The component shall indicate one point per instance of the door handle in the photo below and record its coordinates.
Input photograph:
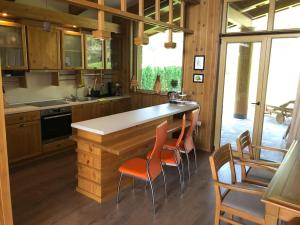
(255, 103)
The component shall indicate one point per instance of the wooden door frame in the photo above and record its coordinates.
(262, 81)
(5, 197)
(221, 82)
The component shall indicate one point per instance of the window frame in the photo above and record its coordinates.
(270, 23)
(138, 71)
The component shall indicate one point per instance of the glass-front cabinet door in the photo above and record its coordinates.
(13, 46)
(72, 50)
(94, 53)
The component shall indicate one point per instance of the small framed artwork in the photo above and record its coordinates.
(198, 78)
(199, 62)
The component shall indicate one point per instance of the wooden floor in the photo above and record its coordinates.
(43, 194)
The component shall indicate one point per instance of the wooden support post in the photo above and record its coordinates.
(170, 43)
(101, 33)
(141, 39)
(243, 81)
(124, 5)
(182, 13)
(157, 10)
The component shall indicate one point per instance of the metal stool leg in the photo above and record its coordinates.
(180, 177)
(119, 187)
(195, 154)
(165, 182)
(133, 184)
(188, 160)
(153, 197)
(182, 168)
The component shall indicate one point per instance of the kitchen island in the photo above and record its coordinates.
(103, 144)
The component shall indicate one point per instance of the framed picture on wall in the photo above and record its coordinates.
(199, 62)
(198, 78)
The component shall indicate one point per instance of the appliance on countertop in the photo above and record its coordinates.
(48, 103)
(56, 123)
(173, 97)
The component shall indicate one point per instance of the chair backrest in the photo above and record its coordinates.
(188, 140)
(217, 160)
(244, 145)
(153, 162)
(179, 140)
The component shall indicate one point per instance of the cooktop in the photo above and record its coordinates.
(48, 103)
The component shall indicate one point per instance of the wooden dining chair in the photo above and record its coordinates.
(147, 169)
(265, 169)
(170, 155)
(241, 200)
(189, 141)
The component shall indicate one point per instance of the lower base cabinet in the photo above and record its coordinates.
(23, 140)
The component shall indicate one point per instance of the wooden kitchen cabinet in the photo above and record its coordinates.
(23, 140)
(72, 50)
(13, 49)
(94, 53)
(43, 48)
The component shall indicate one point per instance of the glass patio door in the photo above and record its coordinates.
(239, 91)
(280, 91)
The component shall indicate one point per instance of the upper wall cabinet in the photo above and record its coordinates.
(13, 46)
(94, 53)
(43, 48)
(72, 50)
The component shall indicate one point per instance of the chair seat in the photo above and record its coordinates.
(170, 157)
(262, 175)
(245, 202)
(135, 167)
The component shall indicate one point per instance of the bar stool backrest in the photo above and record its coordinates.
(153, 160)
(188, 140)
(244, 145)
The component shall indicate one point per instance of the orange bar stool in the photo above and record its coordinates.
(170, 156)
(189, 142)
(147, 169)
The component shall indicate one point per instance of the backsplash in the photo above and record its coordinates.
(40, 89)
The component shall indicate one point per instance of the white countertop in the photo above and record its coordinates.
(109, 124)
(22, 108)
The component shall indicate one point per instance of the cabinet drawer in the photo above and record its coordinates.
(89, 160)
(58, 145)
(88, 173)
(22, 117)
(91, 148)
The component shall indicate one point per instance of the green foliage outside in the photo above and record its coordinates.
(167, 74)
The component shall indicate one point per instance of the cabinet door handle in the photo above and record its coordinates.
(22, 125)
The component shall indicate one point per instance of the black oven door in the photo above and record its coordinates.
(56, 126)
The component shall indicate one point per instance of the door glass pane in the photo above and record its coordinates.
(72, 51)
(11, 49)
(287, 14)
(108, 54)
(247, 16)
(94, 53)
(282, 84)
(240, 88)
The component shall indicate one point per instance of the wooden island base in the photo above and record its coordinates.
(99, 156)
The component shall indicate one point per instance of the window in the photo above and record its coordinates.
(287, 14)
(157, 60)
(247, 16)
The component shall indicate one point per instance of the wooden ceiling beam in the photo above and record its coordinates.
(127, 15)
(18, 10)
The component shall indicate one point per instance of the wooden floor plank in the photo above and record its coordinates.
(44, 193)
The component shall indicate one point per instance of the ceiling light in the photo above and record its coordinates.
(74, 26)
(4, 14)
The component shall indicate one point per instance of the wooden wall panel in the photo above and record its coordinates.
(5, 199)
(142, 100)
(205, 20)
